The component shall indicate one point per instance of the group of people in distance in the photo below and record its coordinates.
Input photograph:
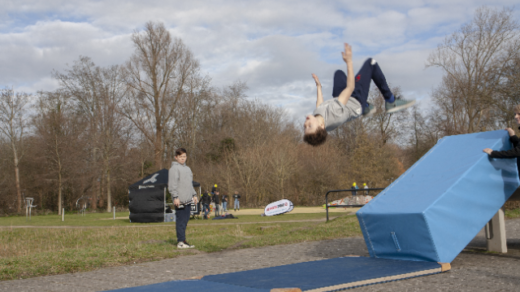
(355, 188)
(221, 202)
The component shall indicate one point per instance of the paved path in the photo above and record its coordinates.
(471, 271)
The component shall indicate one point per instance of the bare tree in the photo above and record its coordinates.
(423, 134)
(189, 116)
(12, 125)
(473, 60)
(160, 73)
(508, 94)
(98, 93)
(284, 163)
(55, 126)
(388, 127)
(250, 168)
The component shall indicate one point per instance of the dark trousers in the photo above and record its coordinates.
(205, 209)
(366, 74)
(182, 216)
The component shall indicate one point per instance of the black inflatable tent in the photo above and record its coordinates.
(148, 197)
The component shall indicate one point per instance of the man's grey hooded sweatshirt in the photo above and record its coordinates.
(180, 182)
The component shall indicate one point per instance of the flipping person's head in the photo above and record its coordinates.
(314, 131)
(517, 114)
(180, 155)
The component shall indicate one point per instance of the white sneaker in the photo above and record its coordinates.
(184, 244)
(399, 104)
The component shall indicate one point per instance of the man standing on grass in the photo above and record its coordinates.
(224, 202)
(354, 188)
(206, 200)
(236, 204)
(216, 200)
(180, 185)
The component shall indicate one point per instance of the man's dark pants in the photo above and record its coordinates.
(182, 216)
(368, 72)
(205, 209)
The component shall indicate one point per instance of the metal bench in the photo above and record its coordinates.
(327, 206)
(28, 206)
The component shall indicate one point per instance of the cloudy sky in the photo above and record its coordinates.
(273, 46)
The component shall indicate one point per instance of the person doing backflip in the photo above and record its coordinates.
(350, 94)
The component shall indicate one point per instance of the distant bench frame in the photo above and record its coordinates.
(346, 206)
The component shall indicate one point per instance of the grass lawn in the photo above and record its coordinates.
(511, 214)
(31, 252)
(106, 219)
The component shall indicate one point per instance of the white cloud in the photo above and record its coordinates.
(32, 54)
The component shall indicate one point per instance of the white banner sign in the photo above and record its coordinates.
(278, 207)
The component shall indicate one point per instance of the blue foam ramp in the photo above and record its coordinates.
(324, 275)
(328, 275)
(433, 210)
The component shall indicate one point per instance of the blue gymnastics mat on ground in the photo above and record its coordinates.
(324, 275)
(433, 210)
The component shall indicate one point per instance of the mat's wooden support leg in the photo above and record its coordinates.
(496, 233)
(445, 267)
(286, 290)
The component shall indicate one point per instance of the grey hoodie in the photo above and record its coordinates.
(180, 182)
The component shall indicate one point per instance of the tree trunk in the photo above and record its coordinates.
(101, 192)
(95, 191)
(17, 179)
(60, 199)
(58, 162)
(96, 188)
(109, 194)
(158, 148)
(40, 193)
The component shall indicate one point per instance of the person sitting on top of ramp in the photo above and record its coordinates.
(515, 151)
(332, 113)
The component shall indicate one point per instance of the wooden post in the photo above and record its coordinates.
(496, 233)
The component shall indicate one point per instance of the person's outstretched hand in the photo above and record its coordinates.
(347, 54)
(488, 150)
(511, 132)
(318, 84)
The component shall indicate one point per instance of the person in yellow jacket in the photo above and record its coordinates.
(354, 188)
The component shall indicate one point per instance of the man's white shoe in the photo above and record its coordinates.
(184, 244)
